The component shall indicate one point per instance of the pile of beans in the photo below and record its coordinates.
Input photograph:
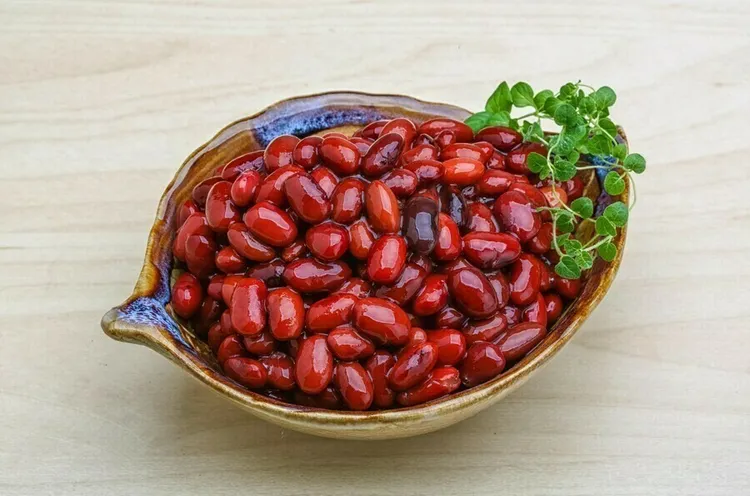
(385, 269)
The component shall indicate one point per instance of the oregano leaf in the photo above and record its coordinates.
(500, 100)
(583, 206)
(614, 184)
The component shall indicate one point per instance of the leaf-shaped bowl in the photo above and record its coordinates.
(146, 318)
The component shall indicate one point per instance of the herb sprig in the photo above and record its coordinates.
(585, 128)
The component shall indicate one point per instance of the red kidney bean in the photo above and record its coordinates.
(373, 129)
(516, 161)
(229, 261)
(208, 313)
(259, 344)
(440, 382)
(462, 171)
(534, 195)
(420, 224)
(189, 208)
(512, 314)
(433, 127)
(403, 127)
(307, 199)
(327, 241)
(244, 188)
(329, 399)
(246, 371)
(216, 335)
(215, 284)
(355, 287)
(195, 224)
(449, 243)
(457, 264)
(521, 339)
(485, 330)
(305, 153)
(503, 138)
(386, 259)
(247, 162)
(405, 287)
(520, 178)
(480, 219)
(231, 346)
(525, 279)
(465, 150)
(446, 138)
(402, 182)
(271, 189)
(487, 150)
(574, 188)
(496, 161)
(470, 193)
(187, 295)
(453, 204)
(382, 320)
(362, 144)
(325, 178)
(495, 182)
(542, 242)
(361, 239)
(427, 171)
(347, 200)
(419, 152)
(382, 208)
(555, 198)
(568, 288)
(451, 345)
(314, 367)
(280, 152)
(423, 139)
(200, 254)
(483, 362)
(416, 335)
(379, 366)
(536, 311)
(472, 292)
(501, 286)
(330, 312)
(280, 369)
(286, 314)
(491, 251)
(421, 260)
(340, 154)
(354, 385)
(294, 251)
(248, 306)
(449, 318)
(227, 290)
(348, 345)
(413, 365)
(200, 191)
(270, 224)
(270, 272)
(308, 275)
(247, 245)
(518, 215)
(554, 306)
(432, 296)
(382, 155)
(547, 279)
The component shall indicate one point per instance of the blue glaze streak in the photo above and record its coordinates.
(313, 121)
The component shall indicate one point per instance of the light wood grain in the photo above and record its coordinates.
(100, 102)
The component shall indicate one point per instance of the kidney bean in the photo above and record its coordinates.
(259, 344)
(382, 320)
(195, 224)
(229, 261)
(547, 278)
(573, 188)
(245, 244)
(472, 292)
(433, 127)
(246, 371)
(449, 318)
(542, 242)
(307, 199)
(503, 138)
(465, 150)
(512, 314)
(269, 272)
(280, 152)
(327, 241)
(280, 370)
(292, 347)
(270, 224)
(216, 335)
(248, 162)
(449, 242)
(555, 198)
(187, 295)
(554, 306)
(432, 296)
(325, 178)
(347, 201)
(330, 312)
(491, 250)
(420, 224)
(189, 208)
(486, 329)
(419, 152)
(483, 362)
(382, 155)
(200, 254)
(416, 334)
(361, 239)
(229, 284)
(518, 215)
(402, 127)
(373, 129)
(427, 171)
(386, 259)
(452, 202)
(248, 306)
(451, 345)
(379, 366)
(286, 314)
(356, 287)
(440, 382)
(308, 275)
(405, 287)
(314, 367)
(496, 161)
(521, 339)
(422, 261)
(445, 138)
(536, 311)
(495, 182)
(362, 144)
(470, 193)
(294, 251)
(402, 182)
(305, 153)
(231, 346)
(271, 189)
(462, 171)
(516, 160)
(535, 195)
(348, 345)
(423, 139)
(244, 188)
(208, 313)
(454, 265)
(340, 154)
(382, 208)
(413, 365)
(525, 279)
(501, 286)
(567, 288)
(480, 219)
(355, 385)
(200, 191)
(328, 399)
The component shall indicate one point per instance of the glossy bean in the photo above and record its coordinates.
(246, 371)
(307, 199)
(386, 259)
(483, 362)
(330, 312)
(280, 152)
(438, 383)
(286, 314)
(381, 320)
(308, 275)
(347, 200)
(472, 292)
(491, 251)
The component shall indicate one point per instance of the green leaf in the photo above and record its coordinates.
(605, 97)
(616, 213)
(522, 95)
(564, 170)
(613, 183)
(608, 251)
(567, 90)
(635, 162)
(562, 143)
(587, 105)
(608, 126)
(536, 162)
(478, 121)
(562, 239)
(565, 115)
(620, 151)
(532, 131)
(565, 222)
(500, 100)
(499, 119)
(577, 131)
(551, 105)
(541, 98)
(604, 227)
(573, 157)
(599, 144)
(583, 206)
(584, 259)
(568, 268)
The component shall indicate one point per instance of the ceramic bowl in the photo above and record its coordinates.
(146, 318)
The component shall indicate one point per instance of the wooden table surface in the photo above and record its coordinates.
(101, 101)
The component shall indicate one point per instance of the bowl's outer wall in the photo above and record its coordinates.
(145, 318)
